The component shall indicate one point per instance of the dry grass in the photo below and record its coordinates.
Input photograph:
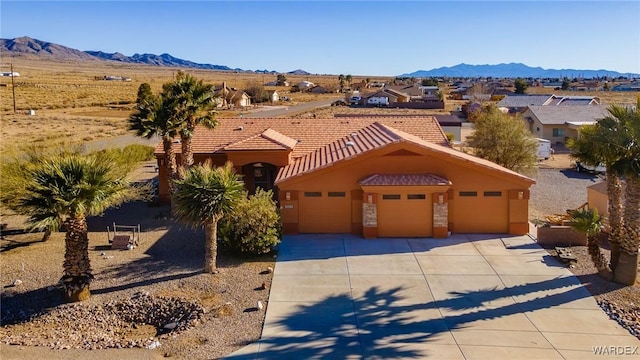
(47, 84)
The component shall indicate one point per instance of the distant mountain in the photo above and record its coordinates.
(512, 70)
(27, 45)
(298, 72)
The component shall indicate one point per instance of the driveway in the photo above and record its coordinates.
(464, 297)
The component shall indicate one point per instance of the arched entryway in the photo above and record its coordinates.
(260, 175)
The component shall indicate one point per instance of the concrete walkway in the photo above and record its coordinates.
(465, 297)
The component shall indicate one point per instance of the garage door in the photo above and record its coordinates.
(405, 215)
(325, 212)
(480, 212)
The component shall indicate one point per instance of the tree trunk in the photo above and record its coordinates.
(627, 270)
(599, 261)
(187, 146)
(77, 269)
(211, 246)
(615, 210)
(627, 267)
(170, 160)
(46, 235)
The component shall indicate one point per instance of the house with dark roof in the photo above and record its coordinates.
(559, 123)
(226, 97)
(373, 177)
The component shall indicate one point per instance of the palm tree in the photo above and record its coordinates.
(202, 198)
(589, 222)
(63, 191)
(190, 102)
(151, 118)
(627, 270)
(349, 78)
(341, 79)
(594, 147)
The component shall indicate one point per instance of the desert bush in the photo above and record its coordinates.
(253, 227)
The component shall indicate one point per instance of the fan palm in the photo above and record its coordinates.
(190, 102)
(594, 147)
(63, 191)
(153, 117)
(589, 222)
(202, 198)
(627, 269)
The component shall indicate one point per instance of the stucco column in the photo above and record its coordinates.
(370, 215)
(518, 212)
(440, 215)
(289, 211)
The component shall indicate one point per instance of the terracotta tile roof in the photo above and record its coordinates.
(376, 136)
(404, 179)
(267, 140)
(310, 134)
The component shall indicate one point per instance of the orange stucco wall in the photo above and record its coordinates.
(479, 214)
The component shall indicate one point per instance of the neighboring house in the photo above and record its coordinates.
(273, 95)
(226, 97)
(373, 177)
(627, 87)
(451, 124)
(381, 98)
(359, 85)
(559, 123)
(305, 85)
(519, 103)
(319, 90)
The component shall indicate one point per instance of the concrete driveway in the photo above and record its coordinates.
(465, 297)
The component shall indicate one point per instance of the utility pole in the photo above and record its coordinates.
(13, 89)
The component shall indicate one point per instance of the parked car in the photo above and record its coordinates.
(582, 167)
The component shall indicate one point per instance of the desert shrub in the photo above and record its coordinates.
(253, 227)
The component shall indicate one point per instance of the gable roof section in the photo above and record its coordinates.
(267, 140)
(376, 136)
(524, 100)
(309, 134)
(560, 115)
(404, 180)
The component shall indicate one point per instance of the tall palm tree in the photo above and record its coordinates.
(594, 147)
(153, 117)
(202, 198)
(589, 222)
(191, 103)
(63, 191)
(627, 269)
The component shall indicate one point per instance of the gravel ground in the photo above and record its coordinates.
(557, 190)
(196, 315)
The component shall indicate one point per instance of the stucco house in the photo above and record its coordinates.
(558, 123)
(374, 177)
(273, 95)
(228, 97)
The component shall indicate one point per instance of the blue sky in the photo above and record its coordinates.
(349, 37)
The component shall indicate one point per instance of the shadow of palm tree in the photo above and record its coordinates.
(382, 324)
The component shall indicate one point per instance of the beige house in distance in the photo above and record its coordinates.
(559, 123)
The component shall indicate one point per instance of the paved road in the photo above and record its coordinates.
(291, 110)
(480, 296)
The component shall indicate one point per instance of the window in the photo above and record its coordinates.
(390, 197)
(416, 196)
(468, 193)
(557, 132)
(493, 193)
(313, 194)
(337, 194)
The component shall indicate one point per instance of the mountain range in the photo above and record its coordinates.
(513, 70)
(26, 46)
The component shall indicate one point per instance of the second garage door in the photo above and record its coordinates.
(405, 214)
(325, 212)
